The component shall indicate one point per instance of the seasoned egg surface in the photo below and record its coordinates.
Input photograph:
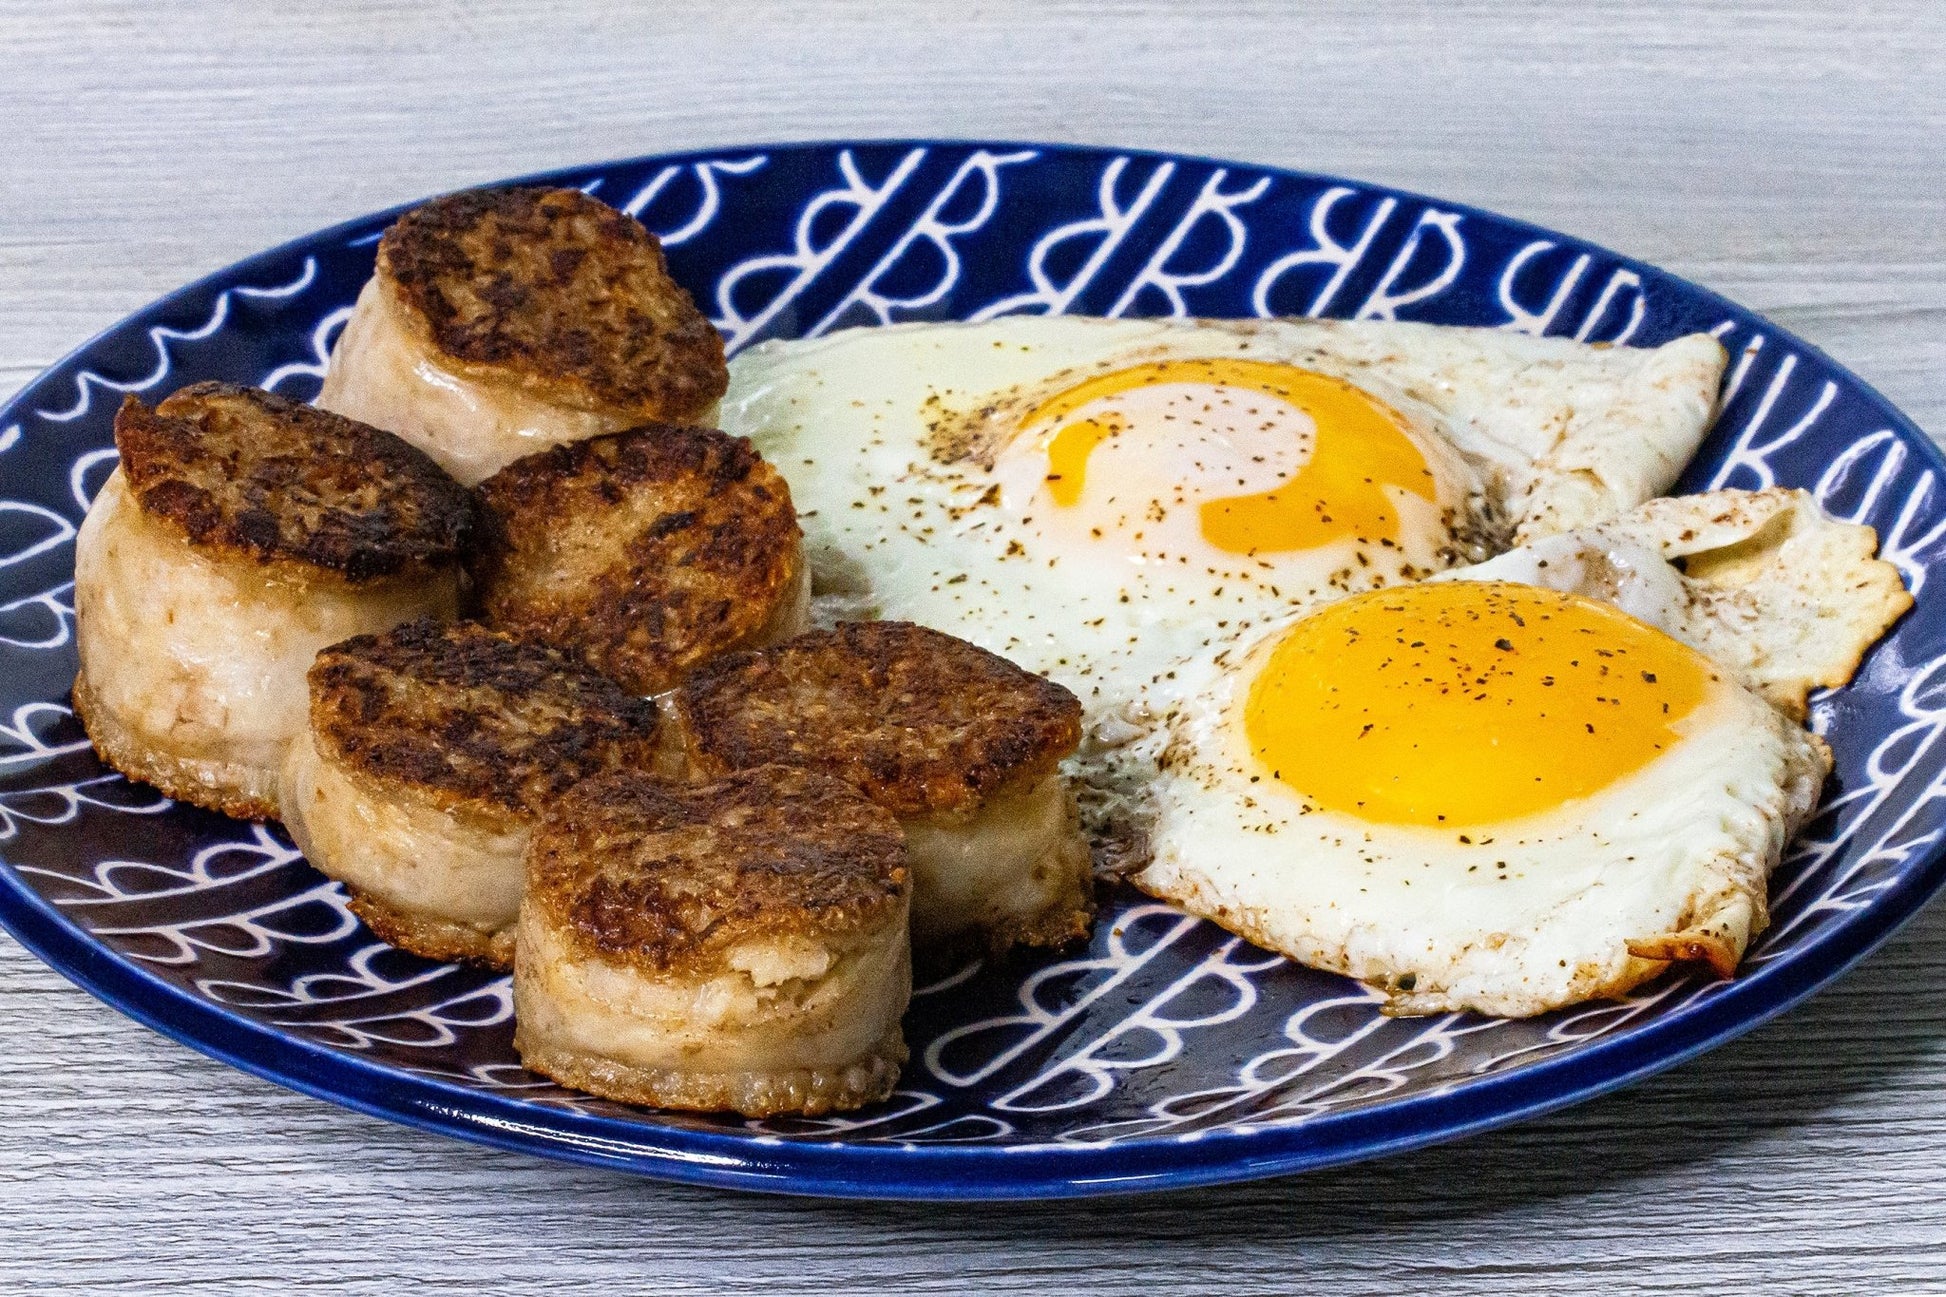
(1477, 795)
(1100, 500)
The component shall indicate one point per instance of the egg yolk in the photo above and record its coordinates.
(1462, 703)
(1360, 448)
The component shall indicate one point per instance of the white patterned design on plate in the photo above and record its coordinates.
(179, 915)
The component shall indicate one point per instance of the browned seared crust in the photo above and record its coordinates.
(243, 471)
(466, 715)
(431, 938)
(752, 1094)
(917, 720)
(209, 784)
(671, 877)
(556, 292)
(1691, 947)
(646, 551)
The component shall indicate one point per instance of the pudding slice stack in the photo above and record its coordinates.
(432, 752)
(242, 533)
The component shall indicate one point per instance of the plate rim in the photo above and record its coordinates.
(960, 1172)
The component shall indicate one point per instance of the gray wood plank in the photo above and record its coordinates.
(1790, 155)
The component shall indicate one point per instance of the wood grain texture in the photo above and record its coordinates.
(1791, 155)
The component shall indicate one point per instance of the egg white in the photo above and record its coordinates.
(924, 497)
(901, 452)
(1512, 919)
(1671, 861)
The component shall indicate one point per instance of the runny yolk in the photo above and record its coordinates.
(1360, 448)
(1462, 703)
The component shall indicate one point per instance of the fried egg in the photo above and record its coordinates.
(1482, 793)
(1098, 500)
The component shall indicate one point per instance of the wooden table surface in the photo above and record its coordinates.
(1791, 155)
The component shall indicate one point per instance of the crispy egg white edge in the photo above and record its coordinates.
(1772, 588)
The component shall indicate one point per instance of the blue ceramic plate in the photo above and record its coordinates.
(1168, 1053)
